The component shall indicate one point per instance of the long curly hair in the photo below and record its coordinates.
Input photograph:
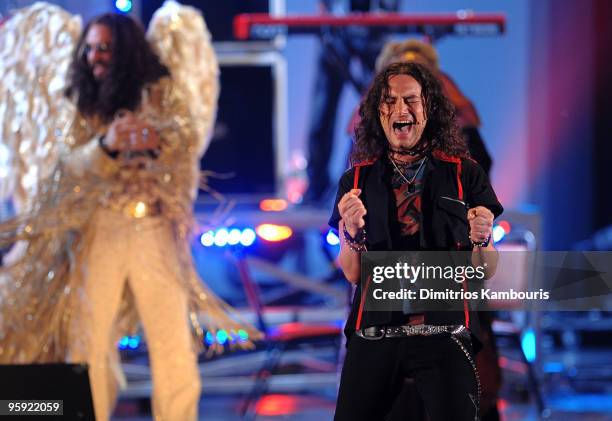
(441, 131)
(133, 65)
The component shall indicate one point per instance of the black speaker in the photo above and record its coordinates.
(66, 382)
(243, 139)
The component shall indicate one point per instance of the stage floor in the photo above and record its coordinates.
(569, 398)
(308, 408)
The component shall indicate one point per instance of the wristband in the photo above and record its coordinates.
(484, 243)
(357, 244)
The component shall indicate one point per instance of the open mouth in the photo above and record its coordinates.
(99, 69)
(402, 126)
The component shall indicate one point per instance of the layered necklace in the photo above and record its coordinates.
(411, 183)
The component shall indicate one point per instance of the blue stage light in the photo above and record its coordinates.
(553, 367)
(123, 342)
(221, 237)
(498, 233)
(234, 237)
(243, 335)
(124, 6)
(332, 238)
(222, 336)
(133, 342)
(528, 344)
(207, 239)
(228, 237)
(247, 237)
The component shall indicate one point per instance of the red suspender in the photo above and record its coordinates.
(363, 293)
(361, 303)
(466, 312)
(459, 184)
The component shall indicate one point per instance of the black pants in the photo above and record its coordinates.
(374, 373)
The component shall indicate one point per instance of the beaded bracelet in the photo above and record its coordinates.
(480, 244)
(357, 244)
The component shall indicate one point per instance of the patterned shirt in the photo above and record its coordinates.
(407, 190)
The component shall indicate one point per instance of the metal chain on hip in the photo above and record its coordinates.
(472, 363)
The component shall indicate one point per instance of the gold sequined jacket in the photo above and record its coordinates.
(59, 176)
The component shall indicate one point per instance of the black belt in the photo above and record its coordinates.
(378, 332)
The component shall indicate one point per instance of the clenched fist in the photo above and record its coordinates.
(352, 211)
(481, 223)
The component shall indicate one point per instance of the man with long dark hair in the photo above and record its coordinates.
(111, 65)
(107, 147)
(412, 187)
(413, 50)
(113, 76)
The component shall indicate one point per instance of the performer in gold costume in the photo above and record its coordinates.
(106, 127)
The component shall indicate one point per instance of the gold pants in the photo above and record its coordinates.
(120, 251)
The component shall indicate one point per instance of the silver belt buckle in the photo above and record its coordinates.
(430, 330)
(414, 330)
(410, 330)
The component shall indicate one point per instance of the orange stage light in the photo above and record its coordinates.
(271, 232)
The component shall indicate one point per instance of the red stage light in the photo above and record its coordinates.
(505, 225)
(272, 405)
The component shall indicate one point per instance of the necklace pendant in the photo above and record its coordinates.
(410, 189)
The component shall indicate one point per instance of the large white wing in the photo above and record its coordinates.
(181, 39)
(36, 46)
